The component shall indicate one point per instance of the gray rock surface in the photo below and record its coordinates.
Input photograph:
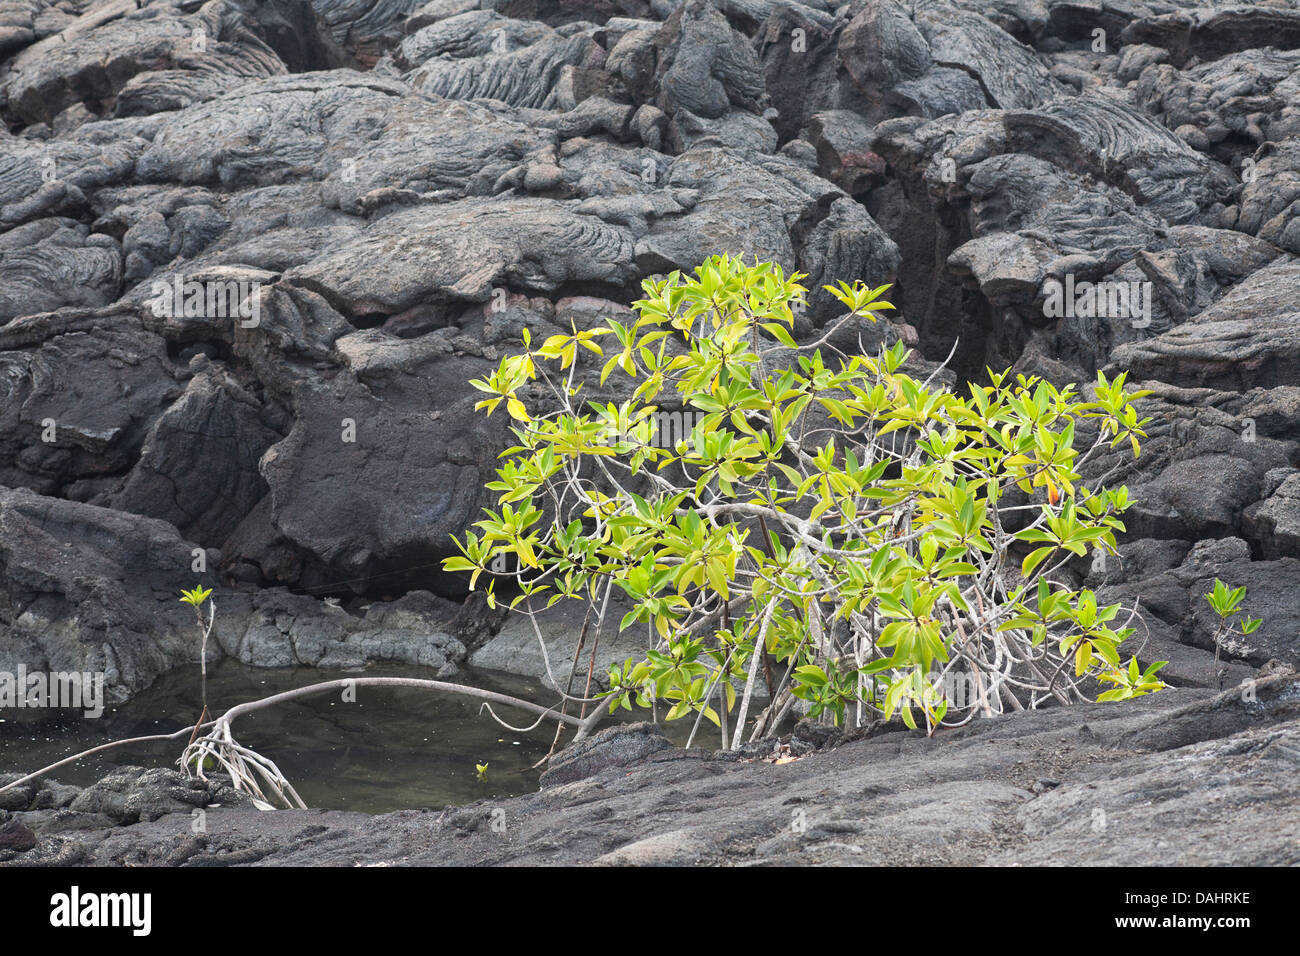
(1088, 785)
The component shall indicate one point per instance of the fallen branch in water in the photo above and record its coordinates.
(246, 766)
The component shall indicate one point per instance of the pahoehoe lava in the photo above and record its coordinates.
(406, 186)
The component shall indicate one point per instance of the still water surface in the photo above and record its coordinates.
(392, 749)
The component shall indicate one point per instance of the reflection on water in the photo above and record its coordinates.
(392, 749)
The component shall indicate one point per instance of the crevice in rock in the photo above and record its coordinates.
(929, 297)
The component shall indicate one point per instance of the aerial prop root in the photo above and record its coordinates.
(258, 776)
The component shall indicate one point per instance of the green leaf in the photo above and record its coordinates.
(1034, 559)
(812, 675)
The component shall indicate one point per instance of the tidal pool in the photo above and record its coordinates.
(391, 749)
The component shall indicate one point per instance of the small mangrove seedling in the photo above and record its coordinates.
(195, 597)
(1226, 603)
